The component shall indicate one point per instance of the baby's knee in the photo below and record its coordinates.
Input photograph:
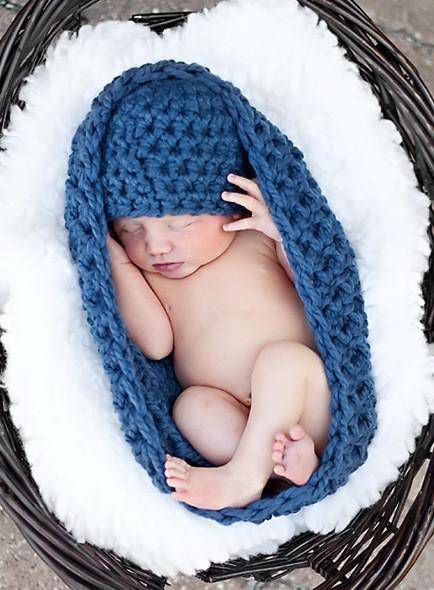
(200, 404)
(284, 355)
(211, 420)
(186, 404)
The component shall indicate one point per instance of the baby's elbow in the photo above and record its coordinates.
(165, 349)
(162, 355)
(156, 356)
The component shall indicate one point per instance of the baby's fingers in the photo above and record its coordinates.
(247, 201)
(245, 223)
(251, 185)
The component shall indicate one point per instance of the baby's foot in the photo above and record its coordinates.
(295, 456)
(210, 487)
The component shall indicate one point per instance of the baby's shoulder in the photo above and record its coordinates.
(251, 241)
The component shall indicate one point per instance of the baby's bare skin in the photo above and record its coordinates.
(255, 396)
(248, 301)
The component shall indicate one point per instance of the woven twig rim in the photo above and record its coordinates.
(382, 543)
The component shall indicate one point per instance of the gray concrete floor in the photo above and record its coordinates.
(410, 26)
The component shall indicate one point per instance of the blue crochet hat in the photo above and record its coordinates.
(168, 149)
(155, 141)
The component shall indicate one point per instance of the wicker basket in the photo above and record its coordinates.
(382, 543)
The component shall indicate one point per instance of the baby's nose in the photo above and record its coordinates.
(158, 250)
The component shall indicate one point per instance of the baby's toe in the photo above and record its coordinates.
(179, 485)
(176, 471)
(177, 478)
(278, 445)
(277, 452)
(296, 432)
(281, 437)
(175, 463)
(179, 495)
(178, 461)
(276, 456)
(279, 469)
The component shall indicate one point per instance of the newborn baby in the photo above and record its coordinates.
(255, 399)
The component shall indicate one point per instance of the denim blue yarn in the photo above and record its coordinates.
(322, 258)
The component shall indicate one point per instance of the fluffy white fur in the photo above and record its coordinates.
(292, 70)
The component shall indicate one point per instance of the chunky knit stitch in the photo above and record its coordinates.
(126, 163)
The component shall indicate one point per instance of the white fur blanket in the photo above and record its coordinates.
(292, 70)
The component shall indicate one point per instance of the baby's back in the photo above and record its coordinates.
(223, 314)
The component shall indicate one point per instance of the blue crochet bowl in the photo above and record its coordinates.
(326, 280)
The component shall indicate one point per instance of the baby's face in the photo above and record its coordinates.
(193, 240)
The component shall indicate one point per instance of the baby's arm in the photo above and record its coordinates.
(283, 259)
(145, 318)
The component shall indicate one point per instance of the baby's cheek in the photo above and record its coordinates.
(209, 240)
(131, 249)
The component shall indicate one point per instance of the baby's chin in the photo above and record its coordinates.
(185, 270)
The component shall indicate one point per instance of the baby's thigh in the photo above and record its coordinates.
(212, 420)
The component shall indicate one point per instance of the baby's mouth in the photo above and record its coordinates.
(170, 266)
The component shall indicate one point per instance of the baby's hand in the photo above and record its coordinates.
(261, 219)
(116, 251)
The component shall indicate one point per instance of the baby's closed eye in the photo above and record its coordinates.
(175, 226)
(183, 225)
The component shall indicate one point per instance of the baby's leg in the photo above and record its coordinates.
(289, 388)
(212, 420)
(281, 387)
